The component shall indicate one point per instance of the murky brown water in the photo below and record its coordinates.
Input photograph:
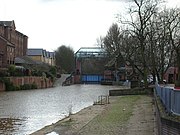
(23, 112)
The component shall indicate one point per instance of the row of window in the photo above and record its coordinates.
(16, 38)
(8, 61)
(10, 49)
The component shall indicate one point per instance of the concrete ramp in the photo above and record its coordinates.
(59, 81)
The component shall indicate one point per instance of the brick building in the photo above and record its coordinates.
(12, 43)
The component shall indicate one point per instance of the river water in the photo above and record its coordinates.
(24, 112)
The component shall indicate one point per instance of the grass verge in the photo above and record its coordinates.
(113, 119)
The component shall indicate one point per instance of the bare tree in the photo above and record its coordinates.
(150, 40)
(172, 17)
(141, 13)
(164, 50)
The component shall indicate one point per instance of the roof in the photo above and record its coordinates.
(8, 23)
(27, 62)
(40, 52)
(24, 60)
(50, 54)
(35, 52)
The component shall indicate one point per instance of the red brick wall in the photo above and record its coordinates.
(15, 37)
(2, 30)
(173, 71)
(25, 43)
(3, 52)
(39, 81)
(2, 86)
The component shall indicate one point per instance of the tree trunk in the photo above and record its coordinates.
(177, 83)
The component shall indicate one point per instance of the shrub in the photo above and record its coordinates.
(28, 86)
(17, 87)
(25, 87)
(177, 83)
(12, 70)
(50, 75)
(9, 85)
(19, 72)
(53, 70)
(36, 73)
(33, 86)
(3, 73)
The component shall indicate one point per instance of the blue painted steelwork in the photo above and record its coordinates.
(91, 79)
(170, 97)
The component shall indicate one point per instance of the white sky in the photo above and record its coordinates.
(52, 23)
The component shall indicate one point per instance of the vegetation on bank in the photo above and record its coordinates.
(20, 71)
(11, 87)
(120, 112)
(113, 118)
(164, 114)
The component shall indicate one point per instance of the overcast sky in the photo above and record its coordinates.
(52, 23)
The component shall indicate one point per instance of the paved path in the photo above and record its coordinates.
(142, 121)
(61, 80)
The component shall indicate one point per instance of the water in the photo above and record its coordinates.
(24, 112)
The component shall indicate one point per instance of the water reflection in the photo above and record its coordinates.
(23, 112)
(10, 125)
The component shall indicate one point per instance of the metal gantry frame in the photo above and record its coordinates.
(90, 52)
(87, 53)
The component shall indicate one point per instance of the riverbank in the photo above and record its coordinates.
(128, 115)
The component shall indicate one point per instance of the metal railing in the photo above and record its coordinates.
(170, 98)
(102, 100)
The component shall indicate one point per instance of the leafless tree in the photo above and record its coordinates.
(149, 39)
(141, 13)
(172, 23)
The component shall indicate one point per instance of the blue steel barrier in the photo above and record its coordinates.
(92, 79)
(170, 97)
